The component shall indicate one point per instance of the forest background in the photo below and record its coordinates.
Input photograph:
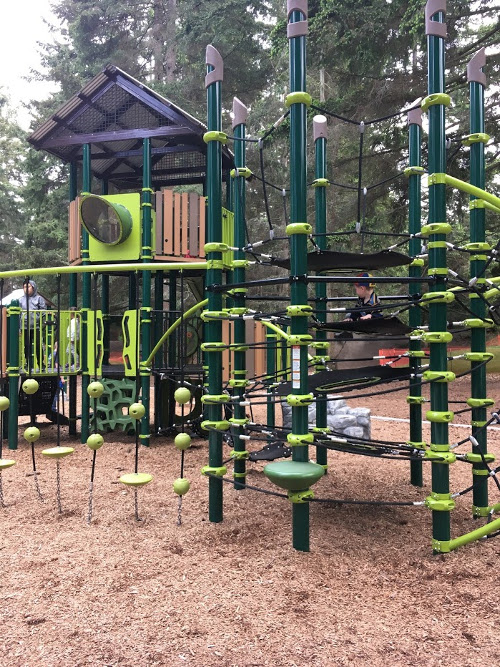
(365, 60)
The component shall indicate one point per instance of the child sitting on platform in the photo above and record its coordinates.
(367, 299)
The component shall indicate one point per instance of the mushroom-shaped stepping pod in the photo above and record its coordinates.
(4, 403)
(182, 395)
(136, 479)
(95, 389)
(31, 434)
(6, 463)
(181, 486)
(137, 411)
(30, 386)
(294, 475)
(57, 452)
(95, 441)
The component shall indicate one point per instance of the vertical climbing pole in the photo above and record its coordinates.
(105, 301)
(440, 501)
(321, 345)
(298, 101)
(478, 401)
(13, 323)
(239, 381)
(415, 399)
(146, 256)
(213, 249)
(86, 299)
(73, 303)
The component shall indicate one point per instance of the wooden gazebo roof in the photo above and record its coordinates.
(113, 113)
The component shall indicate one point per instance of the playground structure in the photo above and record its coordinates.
(205, 248)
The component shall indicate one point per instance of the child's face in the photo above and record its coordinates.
(361, 291)
(28, 289)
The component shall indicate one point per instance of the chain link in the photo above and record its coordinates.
(179, 512)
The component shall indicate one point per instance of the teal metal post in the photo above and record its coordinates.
(415, 398)
(439, 501)
(478, 402)
(73, 303)
(146, 256)
(298, 229)
(321, 345)
(159, 357)
(213, 329)
(13, 323)
(105, 301)
(86, 300)
(239, 381)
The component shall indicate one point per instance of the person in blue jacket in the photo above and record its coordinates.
(367, 299)
(31, 324)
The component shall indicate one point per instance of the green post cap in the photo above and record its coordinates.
(294, 475)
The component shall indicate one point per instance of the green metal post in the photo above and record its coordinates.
(321, 346)
(73, 303)
(439, 501)
(158, 330)
(415, 399)
(298, 229)
(477, 84)
(86, 300)
(271, 350)
(213, 329)
(146, 256)
(13, 321)
(172, 343)
(105, 301)
(239, 381)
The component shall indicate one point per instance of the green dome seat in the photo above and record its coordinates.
(294, 475)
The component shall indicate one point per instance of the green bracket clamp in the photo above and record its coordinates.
(239, 383)
(437, 337)
(238, 291)
(217, 264)
(439, 376)
(214, 135)
(239, 456)
(435, 228)
(439, 416)
(320, 183)
(480, 402)
(478, 424)
(214, 347)
(300, 440)
(298, 228)
(240, 264)
(215, 399)
(320, 345)
(299, 400)
(438, 271)
(472, 457)
(441, 546)
(299, 310)
(440, 502)
(416, 354)
(244, 172)
(437, 244)
(298, 497)
(478, 356)
(417, 262)
(236, 311)
(239, 422)
(435, 98)
(437, 179)
(477, 246)
(439, 457)
(417, 444)
(476, 323)
(216, 247)
(209, 425)
(321, 429)
(211, 470)
(299, 97)
(438, 297)
(299, 339)
(414, 171)
(476, 138)
(415, 400)
(481, 511)
(210, 315)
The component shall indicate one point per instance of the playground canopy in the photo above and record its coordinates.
(113, 113)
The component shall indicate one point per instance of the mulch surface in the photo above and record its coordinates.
(122, 592)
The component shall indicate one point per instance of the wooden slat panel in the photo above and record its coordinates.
(184, 224)
(259, 352)
(159, 223)
(74, 231)
(177, 224)
(250, 356)
(201, 230)
(194, 220)
(168, 222)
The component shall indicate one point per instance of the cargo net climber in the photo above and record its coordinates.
(330, 383)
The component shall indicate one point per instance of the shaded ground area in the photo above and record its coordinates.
(118, 592)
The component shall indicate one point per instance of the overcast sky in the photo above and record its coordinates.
(22, 26)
